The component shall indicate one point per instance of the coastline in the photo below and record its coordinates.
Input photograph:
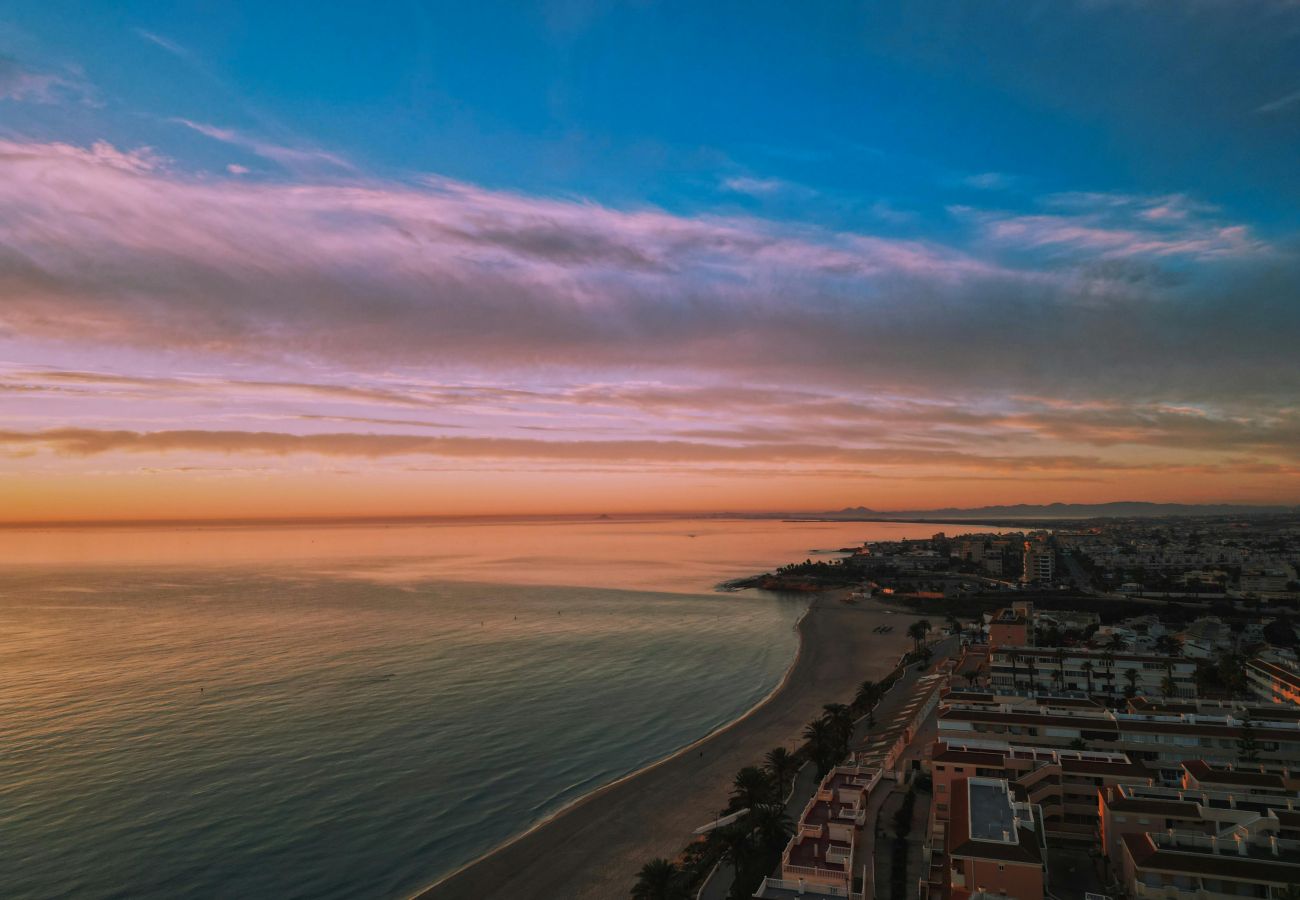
(594, 846)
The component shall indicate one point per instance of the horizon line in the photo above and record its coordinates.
(399, 518)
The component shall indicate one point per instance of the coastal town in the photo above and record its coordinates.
(1106, 709)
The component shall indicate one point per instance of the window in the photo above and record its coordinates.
(1001, 867)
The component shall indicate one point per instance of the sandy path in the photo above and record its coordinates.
(595, 848)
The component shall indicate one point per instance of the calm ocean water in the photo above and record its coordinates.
(354, 711)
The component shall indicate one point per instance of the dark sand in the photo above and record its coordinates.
(594, 848)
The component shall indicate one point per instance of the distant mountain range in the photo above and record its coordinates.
(1123, 509)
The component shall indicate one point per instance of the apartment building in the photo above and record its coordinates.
(1275, 682)
(992, 843)
(1241, 709)
(1240, 779)
(1192, 864)
(1011, 627)
(821, 855)
(1093, 671)
(1161, 741)
(1040, 562)
(1063, 784)
(1132, 809)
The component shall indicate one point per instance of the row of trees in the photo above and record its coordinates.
(1166, 645)
(753, 842)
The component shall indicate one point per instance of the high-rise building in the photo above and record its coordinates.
(1040, 562)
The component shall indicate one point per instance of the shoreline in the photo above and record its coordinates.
(550, 817)
(593, 846)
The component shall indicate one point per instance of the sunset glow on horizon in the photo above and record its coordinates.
(288, 270)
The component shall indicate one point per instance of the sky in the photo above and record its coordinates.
(344, 259)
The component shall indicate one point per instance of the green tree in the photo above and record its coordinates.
(1131, 676)
(840, 719)
(750, 788)
(659, 879)
(781, 766)
(1169, 645)
(866, 696)
(772, 828)
(1108, 661)
(823, 745)
(1087, 673)
(1248, 744)
(917, 631)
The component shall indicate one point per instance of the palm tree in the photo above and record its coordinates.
(772, 827)
(866, 697)
(1087, 673)
(823, 743)
(735, 843)
(1131, 675)
(917, 631)
(1118, 644)
(781, 764)
(1167, 686)
(1033, 673)
(1108, 660)
(840, 718)
(1169, 645)
(751, 787)
(1059, 675)
(954, 625)
(659, 880)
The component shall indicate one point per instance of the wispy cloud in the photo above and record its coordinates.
(766, 187)
(1280, 103)
(21, 82)
(303, 160)
(166, 43)
(989, 181)
(1110, 226)
(83, 442)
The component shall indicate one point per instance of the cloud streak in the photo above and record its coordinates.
(82, 442)
(106, 246)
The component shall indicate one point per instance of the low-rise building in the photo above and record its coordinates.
(1275, 682)
(821, 853)
(1062, 783)
(1192, 864)
(1079, 669)
(992, 843)
(1161, 741)
(1012, 626)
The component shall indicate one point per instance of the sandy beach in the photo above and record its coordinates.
(594, 848)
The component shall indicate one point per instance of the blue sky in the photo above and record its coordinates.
(858, 106)
(733, 255)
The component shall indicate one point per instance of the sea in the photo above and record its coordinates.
(354, 710)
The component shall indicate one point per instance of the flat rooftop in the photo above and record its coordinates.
(991, 815)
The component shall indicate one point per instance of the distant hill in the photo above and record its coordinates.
(1123, 509)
